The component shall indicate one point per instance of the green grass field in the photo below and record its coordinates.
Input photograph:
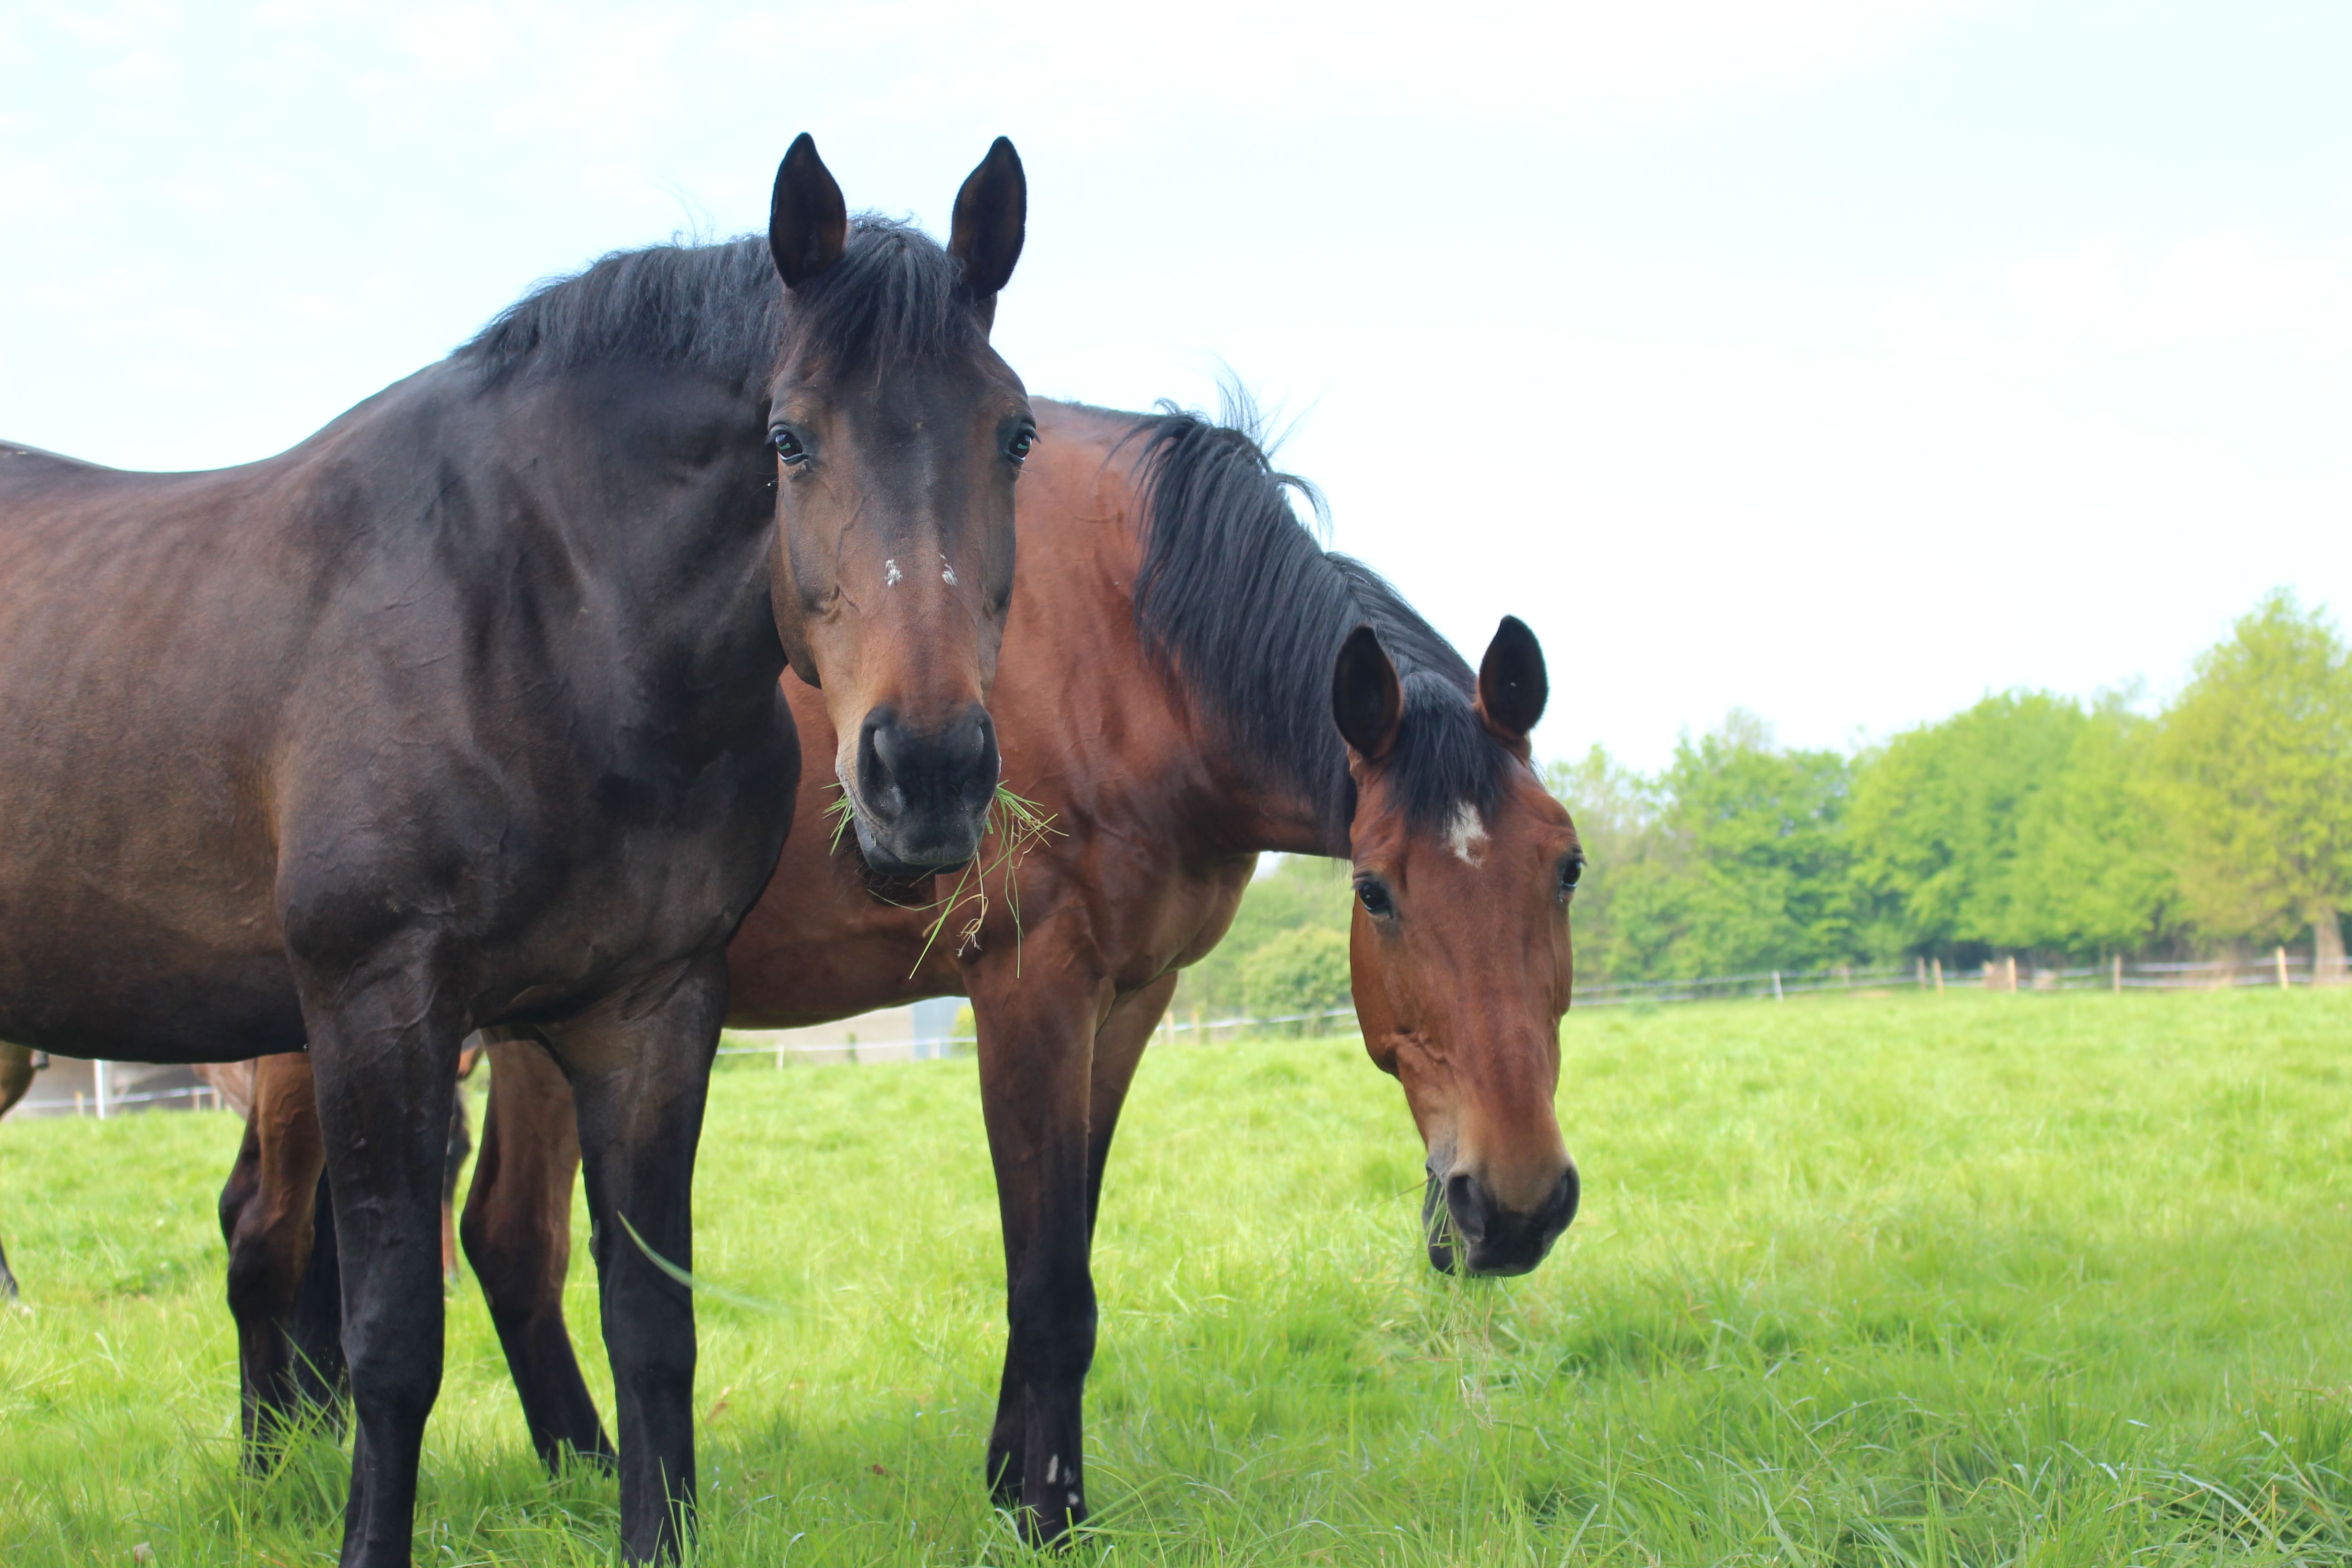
(1969, 1280)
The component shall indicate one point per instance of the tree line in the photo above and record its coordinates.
(2030, 824)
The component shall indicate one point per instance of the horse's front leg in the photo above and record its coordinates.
(1037, 1050)
(518, 1233)
(640, 1071)
(384, 1035)
(1119, 1051)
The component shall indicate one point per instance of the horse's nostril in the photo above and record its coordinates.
(1566, 1197)
(1491, 1238)
(1466, 1202)
(879, 738)
(924, 793)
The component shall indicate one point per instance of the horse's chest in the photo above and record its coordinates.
(668, 886)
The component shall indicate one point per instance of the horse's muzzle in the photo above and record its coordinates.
(1469, 1231)
(923, 795)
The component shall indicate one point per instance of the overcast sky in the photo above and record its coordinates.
(1839, 362)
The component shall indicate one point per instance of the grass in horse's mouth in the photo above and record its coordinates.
(1017, 824)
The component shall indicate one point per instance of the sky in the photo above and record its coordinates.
(1842, 363)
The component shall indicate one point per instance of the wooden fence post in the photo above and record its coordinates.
(2012, 974)
(1923, 972)
(2119, 974)
(1939, 976)
(1776, 987)
(2279, 953)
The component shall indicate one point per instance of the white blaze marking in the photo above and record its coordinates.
(1053, 1467)
(890, 574)
(946, 572)
(1469, 835)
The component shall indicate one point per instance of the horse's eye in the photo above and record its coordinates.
(1021, 444)
(1571, 871)
(1373, 894)
(788, 448)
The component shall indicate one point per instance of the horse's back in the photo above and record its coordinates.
(150, 626)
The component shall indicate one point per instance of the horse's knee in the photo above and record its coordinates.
(649, 1328)
(393, 1364)
(243, 1187)
(265, 1267)
(512, 1275)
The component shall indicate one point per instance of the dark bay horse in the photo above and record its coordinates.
(1170, 672)
(466, 712)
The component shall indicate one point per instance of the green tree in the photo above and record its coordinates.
(1748, 868)
(1937, 820)
(1616, 813)
(2255, 781)
(1302, 970)
(2094, 869)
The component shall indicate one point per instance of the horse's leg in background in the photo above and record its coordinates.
(314, 1328)
(16, 1080)
(453, 1164)
(1037, 1053)
(385, 1036)
(265, 1214)
(518, 1234)
(1119, 1051)
(639, 1065)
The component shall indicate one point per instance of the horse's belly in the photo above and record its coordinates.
(117, 992)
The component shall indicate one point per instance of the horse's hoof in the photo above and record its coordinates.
(1056, 1525)
(1005, 1480)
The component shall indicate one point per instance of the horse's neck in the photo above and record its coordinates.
(1086, 552)
(616, 521)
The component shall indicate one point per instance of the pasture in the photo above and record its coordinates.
(1894, 1280)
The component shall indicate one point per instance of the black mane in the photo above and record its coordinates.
(1237, 598)
(894, 297)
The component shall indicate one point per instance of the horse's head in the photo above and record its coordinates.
(1464, 866)
(898, 434)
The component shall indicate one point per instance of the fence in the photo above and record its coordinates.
(2279, 969)
(69, 1085)
(850, 1050)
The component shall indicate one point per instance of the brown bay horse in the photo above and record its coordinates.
(1175, 657)
(465, 712)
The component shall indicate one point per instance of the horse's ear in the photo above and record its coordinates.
(808, 223)
(1365, 699)
(991, 216)
(1512, 685)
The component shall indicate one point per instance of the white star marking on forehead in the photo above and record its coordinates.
(1467, 835)
(890, 574)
